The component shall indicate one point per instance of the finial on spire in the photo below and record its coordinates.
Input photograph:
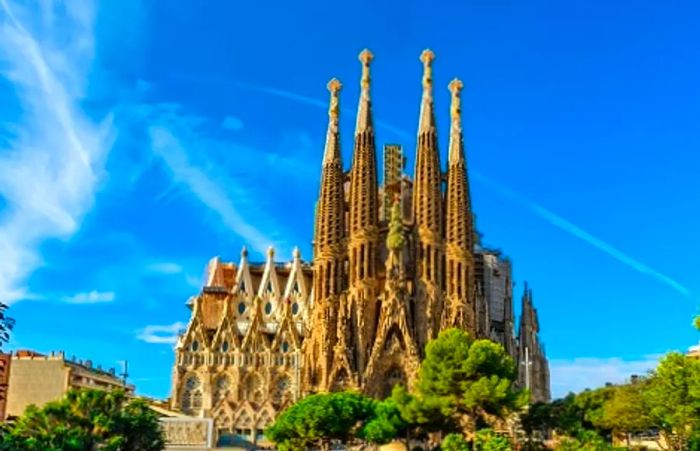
(365, 57)
(364, 114)
(296, 253)
(334, 87)
(270, 252)
(244, 252)
(456, 153)
(426, 122)
(427, 58)
(456, 86)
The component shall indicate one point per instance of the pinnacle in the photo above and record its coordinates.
(364, 112)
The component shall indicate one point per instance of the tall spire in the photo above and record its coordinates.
(330, 207)
(329, 251)
(363, 184)
(364, 223)
(364, 110)
(460, 290)
(427, 214)
(427, 115)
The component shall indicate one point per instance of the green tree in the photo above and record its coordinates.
(455, 442)
(423, 416)
(385, 424)
(318, 419)
(585, 441)
(536, 422)
(86, 420)
(468, 382)
(488, 440)
(673, 397)
(592, 407)
(626, 411)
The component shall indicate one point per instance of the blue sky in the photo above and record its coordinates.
(140, 139)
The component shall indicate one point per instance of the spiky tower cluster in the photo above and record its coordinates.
(372, 319)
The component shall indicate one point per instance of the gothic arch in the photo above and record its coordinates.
(191, 393)
(253, 389)
(394, 375)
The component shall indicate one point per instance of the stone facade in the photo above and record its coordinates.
(392, 266)
(239, 360)
(37, 379)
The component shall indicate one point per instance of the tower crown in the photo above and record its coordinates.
(332, 152)
(364, 113)
(456, 151)
(427, 116)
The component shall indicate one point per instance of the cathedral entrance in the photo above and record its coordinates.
(395, 376)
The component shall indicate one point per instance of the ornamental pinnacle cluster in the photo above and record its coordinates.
(393, 265)
(385, 304)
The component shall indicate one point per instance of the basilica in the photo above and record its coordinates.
(392, 266)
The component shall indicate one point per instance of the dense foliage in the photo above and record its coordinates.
(667, 401)
(462, 384)
(85, 420)
(320, 418)
(470, 383)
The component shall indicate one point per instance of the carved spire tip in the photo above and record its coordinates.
(427, 57)
(334, 85)
(270, 252)
(456, 86)
(296, 253)
(366, 57)
(244, 252)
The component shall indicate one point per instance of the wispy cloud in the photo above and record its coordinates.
(90, 297)
(576, 375)
(54, 156)
(171, 149)
(166, 334)
(232, 123)
(165, 268)
(581, 234)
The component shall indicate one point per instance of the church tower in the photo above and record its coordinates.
(460, 296)
(363, 229)
(329, 252)
(427, 215)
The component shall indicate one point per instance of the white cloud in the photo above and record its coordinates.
(232, 123)
(174, 139)
(161, 334)
(52, 162)
(578, 374)
(165, 268)
(91, 297)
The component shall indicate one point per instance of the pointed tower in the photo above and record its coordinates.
(427, 214)
(329, 252)
(363, 227)
(459, 309)
(533, 371)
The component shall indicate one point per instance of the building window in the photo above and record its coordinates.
(285, 346)
(268, 308)
(241, 308)
(192, 395)
(295, 308)
(195, 346)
